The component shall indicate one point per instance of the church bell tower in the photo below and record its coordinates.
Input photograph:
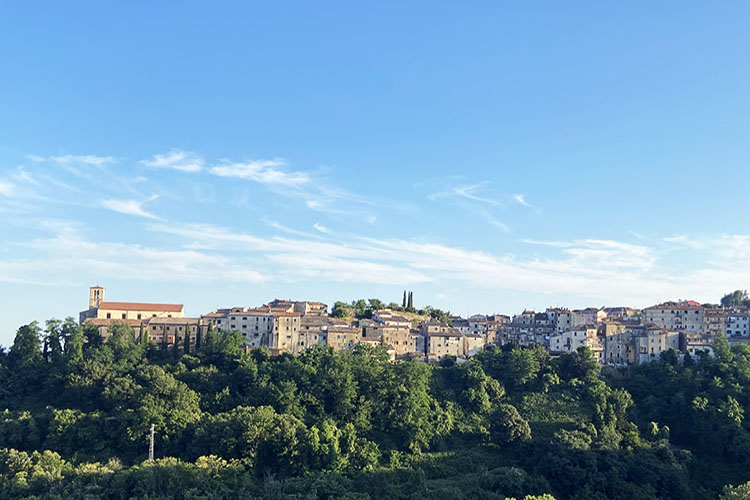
(96, 296)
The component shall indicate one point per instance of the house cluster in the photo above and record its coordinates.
(616, 335)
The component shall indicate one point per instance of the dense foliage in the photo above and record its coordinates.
(512, 422)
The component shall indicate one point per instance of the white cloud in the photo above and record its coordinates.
(286, 229)
(176, 160)
(683, 240)
(130, 207)
(595, 271)
(6, 188)
(261, 171)
(493, 221)
(93, 160)
(521, 199)
(69, 259)
(467, 192)
(322, 228)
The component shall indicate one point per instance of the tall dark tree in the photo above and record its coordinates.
(164, 340)
(186, 348)
(410, 302)
(143, 338)
(198, 337)
(73, 335)
(404, 301)
(25, 349)
(736, 298)
(52, 337)
(176, 347)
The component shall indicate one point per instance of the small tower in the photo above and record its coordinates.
(96, 296)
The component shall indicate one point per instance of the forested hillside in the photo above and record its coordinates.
(511, 422)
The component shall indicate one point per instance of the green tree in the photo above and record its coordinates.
(199, 336)
(340, 310)
(25, 349)
(736, 298)
(508, 426)
(739, 492)
(72, 335)
(186, 348)
(722, 349)
(52, 340)
(375, 304)
(164, 340)
(403, 302)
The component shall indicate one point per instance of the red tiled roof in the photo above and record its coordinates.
(109, 321)
(686, 304)
(138, 306)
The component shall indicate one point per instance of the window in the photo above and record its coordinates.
(139, 316)
(109, 315)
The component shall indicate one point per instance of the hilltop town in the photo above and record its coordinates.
(617, 336)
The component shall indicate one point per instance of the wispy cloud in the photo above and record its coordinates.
(322, 228)
(493, 221)
(6, 188)
(261, 171)
(469, 192)
(176, 160)
(637, 235)
(286, 229)
(598, 270)
(69, 259)
(96, 161)
(130, 207)
(683, 240)
(521, 199)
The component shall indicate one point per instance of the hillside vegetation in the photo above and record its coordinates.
(510, 423)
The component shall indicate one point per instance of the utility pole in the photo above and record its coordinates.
(151, 445)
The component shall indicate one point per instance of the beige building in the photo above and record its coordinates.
(303, 307)
(270, 327)
(311, 308)
(440, 345)
(388, 317)
(650, 341)
(175, 329)
(472, 344)
(343, 338)
(399, 337)
(686, 315)
(715, 320)
(570, 340)
(100, 308)
(313, 331)
(618, 345)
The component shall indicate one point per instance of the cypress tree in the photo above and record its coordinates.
(403, 303)
(164, 340)
(198, 337)
(144, 339)
(410, 305)
(186, 349)
(176, 348)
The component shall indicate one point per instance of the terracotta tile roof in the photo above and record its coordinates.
(109, 321)
(685, 304)
(139, 306)
(172, 321)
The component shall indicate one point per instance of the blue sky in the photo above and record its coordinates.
(490, 156)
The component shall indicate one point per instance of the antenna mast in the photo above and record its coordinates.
(151, 445)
